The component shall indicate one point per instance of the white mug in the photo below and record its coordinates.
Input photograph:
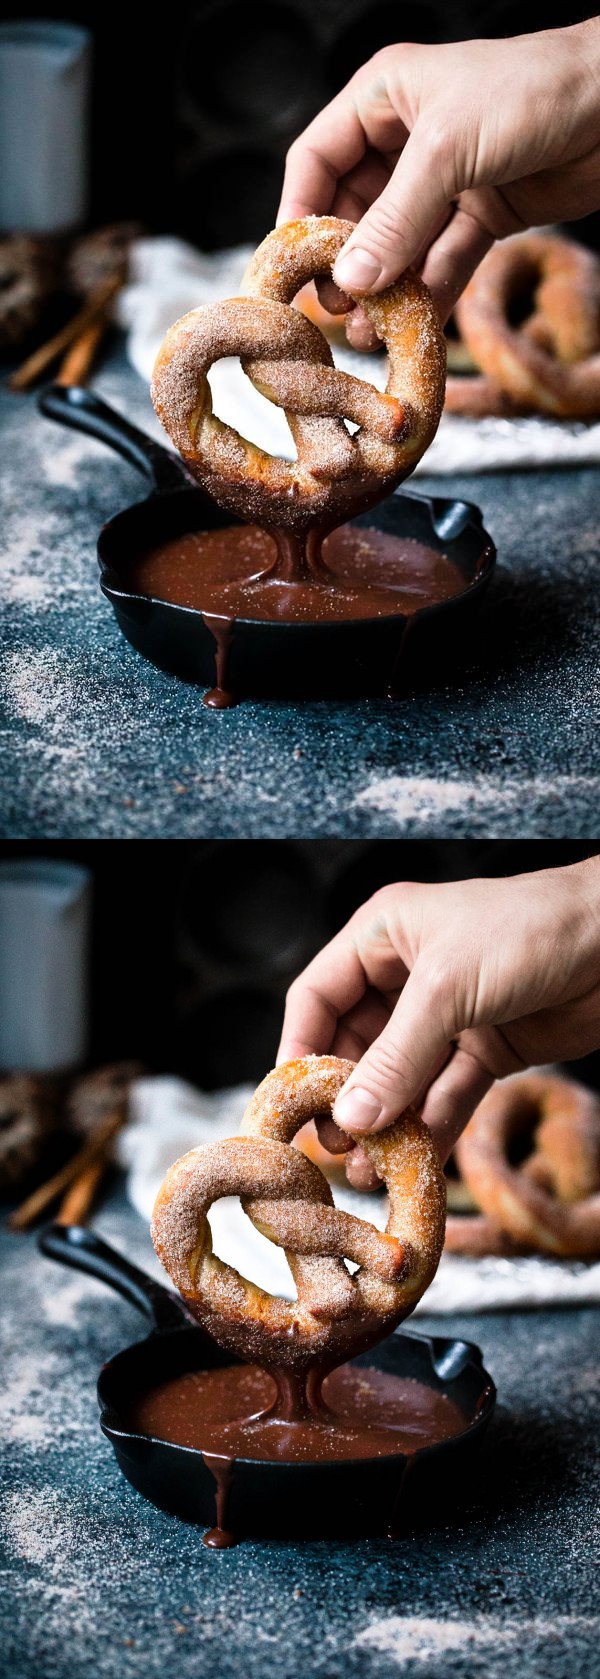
(44, 100)
(45, 912)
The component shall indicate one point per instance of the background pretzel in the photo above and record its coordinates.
(289, 1200)
(548, 1203)
(550, 363)
(290, 362)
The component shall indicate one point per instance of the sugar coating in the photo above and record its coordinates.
(291, 1202)
(290, 362)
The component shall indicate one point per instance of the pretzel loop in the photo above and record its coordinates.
(290, 362)
(290, 1201)
(551, 1202)
(551, 363)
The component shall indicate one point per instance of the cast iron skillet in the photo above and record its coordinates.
(268, 1498)
(360, 657)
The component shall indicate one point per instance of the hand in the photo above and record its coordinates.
(438, 990)
(435, 151)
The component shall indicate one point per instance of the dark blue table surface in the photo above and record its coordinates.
(96, 1580)
(95, 741)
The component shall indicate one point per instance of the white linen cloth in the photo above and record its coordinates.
(168, 277)
(167, 1117)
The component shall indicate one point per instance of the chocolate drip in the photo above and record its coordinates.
(316, 576)
(219, 1538)
(300, 1393)
(300, 555)
(220, 697)
(274, 1415)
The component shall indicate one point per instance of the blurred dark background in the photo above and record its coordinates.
(195, 944)
(195, 103)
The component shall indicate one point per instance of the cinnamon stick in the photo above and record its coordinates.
(93, 309)
(94, 1148)
(80, 357)
(77, 1204)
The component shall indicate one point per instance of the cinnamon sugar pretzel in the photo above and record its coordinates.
(550, 364)
(550, 1202)
(289, 1200)
(290, 362)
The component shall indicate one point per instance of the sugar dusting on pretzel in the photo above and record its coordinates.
(550, 1203)
(289, 1200)
(550, 364)
(290, 362)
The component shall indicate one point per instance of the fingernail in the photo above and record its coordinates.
(292, 212)
(357, 1110)
(356, 269)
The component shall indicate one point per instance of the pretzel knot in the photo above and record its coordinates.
(290, 1201)
(290, 362)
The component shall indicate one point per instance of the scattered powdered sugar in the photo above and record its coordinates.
(24, 1412)
(36, 1432)
(62, 1305)
(61, 465)
(423, 799)
(38, 1527)
(35, 686)
(24, 579)
(415, 1638)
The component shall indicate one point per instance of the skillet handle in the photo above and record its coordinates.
(82, 410)
(80, 1248)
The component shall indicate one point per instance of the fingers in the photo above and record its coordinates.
(360, 186)
(450, 1101)
(399, 222)
(309, 184)
(349, 200)
(331, 985)
(330, 297)
(354, 194)
(452, 259)
(360, 333)
(453, 1097)
(331, 146)
(360, 1171)
(330, 1136)
(401, 1060)
(357, 1029)
(365, 957)
(361, 959)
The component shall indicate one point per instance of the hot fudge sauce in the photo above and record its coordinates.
(242, 1411)
(243, 571)
(239, 572)
(232, 1410)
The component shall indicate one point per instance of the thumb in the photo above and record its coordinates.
(403, 1059)
(400, 223)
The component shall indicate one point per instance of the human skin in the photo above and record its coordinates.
(437, 990)
(436, 151)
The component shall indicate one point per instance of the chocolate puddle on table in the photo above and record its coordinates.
(315, 577)
(352, 1412)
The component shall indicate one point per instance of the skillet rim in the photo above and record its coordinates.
(476, 1424)
(475, 586)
